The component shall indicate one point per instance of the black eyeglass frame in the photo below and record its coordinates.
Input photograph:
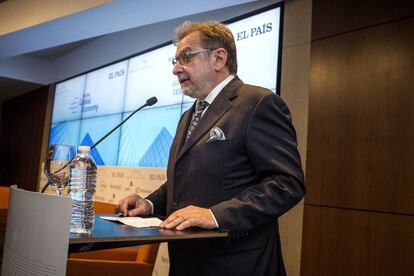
(185, 57)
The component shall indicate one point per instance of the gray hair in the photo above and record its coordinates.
(213, 35)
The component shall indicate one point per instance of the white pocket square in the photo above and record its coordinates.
(216, 134)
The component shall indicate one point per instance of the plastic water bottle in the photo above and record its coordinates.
(82, 189)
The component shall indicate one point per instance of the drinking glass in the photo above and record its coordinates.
(57, 169)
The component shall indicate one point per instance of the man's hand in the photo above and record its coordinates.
(188, 217)
(134, 205)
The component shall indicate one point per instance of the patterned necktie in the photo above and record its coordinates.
(200, 107)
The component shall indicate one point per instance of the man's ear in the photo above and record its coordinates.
(220, 59)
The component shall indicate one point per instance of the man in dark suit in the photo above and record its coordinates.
(233, 163)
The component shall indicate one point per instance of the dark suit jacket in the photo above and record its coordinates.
(248, 180)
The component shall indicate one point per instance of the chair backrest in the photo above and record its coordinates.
(147, 253)
(37, 234)
(4, 205)
(4, 197)
(104, 207)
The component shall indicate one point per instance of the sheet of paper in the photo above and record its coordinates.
(135, 221)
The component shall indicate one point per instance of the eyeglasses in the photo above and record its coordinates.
(185, 58)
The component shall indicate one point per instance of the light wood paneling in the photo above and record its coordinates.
(295, 91)
(297, 22)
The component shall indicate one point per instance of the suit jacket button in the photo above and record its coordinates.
(175, 203)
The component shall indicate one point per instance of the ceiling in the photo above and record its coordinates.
(58, 51)
(10, 88)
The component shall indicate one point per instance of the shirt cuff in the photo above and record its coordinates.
(215, 221)
(152, 206)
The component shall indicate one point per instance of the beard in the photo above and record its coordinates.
(191, 91)
(197, 88)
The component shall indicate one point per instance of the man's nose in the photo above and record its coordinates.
(177, 68)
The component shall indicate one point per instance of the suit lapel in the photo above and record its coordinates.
(221, 104)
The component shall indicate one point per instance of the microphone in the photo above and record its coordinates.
(151, 101)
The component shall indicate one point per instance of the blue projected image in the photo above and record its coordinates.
(93, 129)
(66, 133)
(186, 106)
(157, 154)
(146, 138)
(86, 133)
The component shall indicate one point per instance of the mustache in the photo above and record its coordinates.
(182, 77)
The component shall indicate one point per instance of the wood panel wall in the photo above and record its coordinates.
(22, 124)
(359, 207)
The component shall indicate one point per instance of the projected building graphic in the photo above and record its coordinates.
(87, 141)
(157, 154)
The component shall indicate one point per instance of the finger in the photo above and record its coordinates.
(118, 210)
(123, 207)
(126, 204)
(173, 223)
(187, 224)
(168, 221)
(140, 210)
(170, 218)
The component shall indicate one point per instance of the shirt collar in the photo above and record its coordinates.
(216, 90)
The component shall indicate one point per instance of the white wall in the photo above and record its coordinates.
(20, 14)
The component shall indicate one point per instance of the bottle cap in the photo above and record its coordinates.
(84, 148)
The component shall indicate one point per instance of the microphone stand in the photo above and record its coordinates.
(151, 101)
